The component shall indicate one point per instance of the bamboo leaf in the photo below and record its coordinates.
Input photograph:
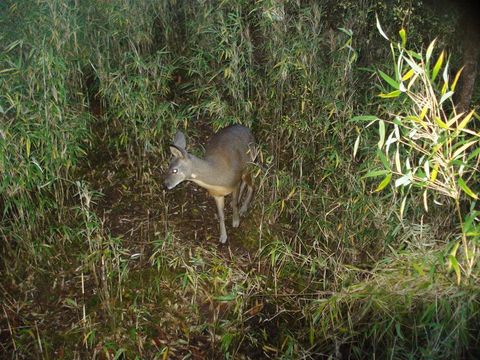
(429, 52)
(374, 173)
(392, 94)
(402, 207)
(433, 175)
(397, 131)
(466, 189)
(404, 180)
(454, 250)
(389, 80)
(390, 140)
(383, 159)
(465, 121)
(381, 132)
(413, 65)
(445, 96)
(444, 88)
(438, 65)
(474, 154)
(408, 75)
(398, 164)
(425, 200)
(384, 182)
(455, 80)
(380, 30)
(417, 120)
(453, 253)
(462, 149)
(424, 112)
(414, 54)
(345, 31)
(364, 118)
(412, 81)
(27, 146)
(441, 123)
(355, 146)
(426, 167)
(165, 353)
(403, 36)
(454, 119)
(445, 73)
(456, 267)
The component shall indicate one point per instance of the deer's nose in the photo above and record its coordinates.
(165, 186)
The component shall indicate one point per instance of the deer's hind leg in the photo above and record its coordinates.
(219, 200)
(235, 200)
(246, 181)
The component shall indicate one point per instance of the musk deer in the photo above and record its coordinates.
(222, 171)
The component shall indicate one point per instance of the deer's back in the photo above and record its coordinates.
(230, 151)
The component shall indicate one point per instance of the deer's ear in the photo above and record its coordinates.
(179, 140)
(178, 152)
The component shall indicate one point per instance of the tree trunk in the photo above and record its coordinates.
(471, 52)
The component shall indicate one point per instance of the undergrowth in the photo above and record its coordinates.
(99, 262)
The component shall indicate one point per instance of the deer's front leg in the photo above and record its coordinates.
(220, 201)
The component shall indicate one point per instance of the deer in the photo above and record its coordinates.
(222, 171)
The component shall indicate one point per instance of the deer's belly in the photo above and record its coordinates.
(215, 190)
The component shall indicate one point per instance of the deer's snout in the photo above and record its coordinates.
(170, 183)
(166, 185)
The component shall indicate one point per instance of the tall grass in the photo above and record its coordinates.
(44, 125)
(324, 266)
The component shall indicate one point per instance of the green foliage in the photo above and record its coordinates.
(43, 127)
(430, 147)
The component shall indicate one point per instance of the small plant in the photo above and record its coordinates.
(425, 145)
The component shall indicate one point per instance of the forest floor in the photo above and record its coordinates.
(134, 208)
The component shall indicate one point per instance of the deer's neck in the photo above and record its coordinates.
(205, 173)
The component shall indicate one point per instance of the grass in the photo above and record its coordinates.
(99, 262)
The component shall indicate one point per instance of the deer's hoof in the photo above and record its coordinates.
(236, 222)
(223, 239)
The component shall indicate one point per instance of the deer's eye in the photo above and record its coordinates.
(174, 171)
